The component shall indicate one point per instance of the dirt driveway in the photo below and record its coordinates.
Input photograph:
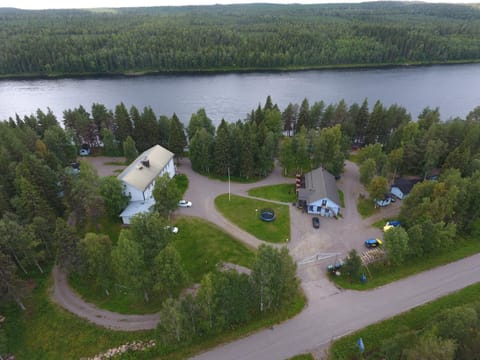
(105, 164)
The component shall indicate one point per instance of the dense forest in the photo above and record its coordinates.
(235, 37)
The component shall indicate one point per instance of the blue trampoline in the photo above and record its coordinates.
(267, 215)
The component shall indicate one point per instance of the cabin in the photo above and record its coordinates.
(318, 193)
(402, 187)
(138, 179)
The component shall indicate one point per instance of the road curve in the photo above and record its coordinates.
(330, 317)
(65, 297)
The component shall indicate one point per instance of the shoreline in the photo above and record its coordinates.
(100, 75)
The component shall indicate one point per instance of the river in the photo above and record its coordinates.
(455, 89)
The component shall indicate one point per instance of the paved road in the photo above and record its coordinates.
(341, 312)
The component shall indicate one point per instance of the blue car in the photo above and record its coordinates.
(373, 243)
(391, 224)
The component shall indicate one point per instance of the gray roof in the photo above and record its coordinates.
(319, 184)
(139, 175)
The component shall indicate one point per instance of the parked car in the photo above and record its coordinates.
(384, 202)
(373, 243)
(391, 224)
(173, 229)
(316, 222)
(335, 267)
(392, 197)
(84, 152)
(185, 203)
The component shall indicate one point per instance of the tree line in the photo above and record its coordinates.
(450, 334)
(227, 300)
(235, 37)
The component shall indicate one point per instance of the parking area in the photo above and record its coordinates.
(314, 249)
(105, 165)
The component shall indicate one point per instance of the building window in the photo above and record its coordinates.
(324, 202)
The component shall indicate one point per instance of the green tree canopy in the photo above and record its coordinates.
(166, 195)
(114, 199)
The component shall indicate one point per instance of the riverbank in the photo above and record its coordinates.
(226, 70)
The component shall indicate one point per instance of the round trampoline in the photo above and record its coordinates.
(267, 215)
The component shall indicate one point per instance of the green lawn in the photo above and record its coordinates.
(119, 299)
(106, 225)
(354, 157)
(116, 163)
(244, 212)
(346, 347)
(46, 331)
(341, 195)
(281, 192)
(201, 245)
(378, 275)
(365, 207)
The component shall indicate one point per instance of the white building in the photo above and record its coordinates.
(319, 193)
(139, 177)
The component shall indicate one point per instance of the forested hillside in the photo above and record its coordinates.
(235, 37)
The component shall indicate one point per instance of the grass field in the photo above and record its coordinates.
(281, 192)
(201, 245)
(346, 347)
(365, 207)
(46, 331)
(244, 213)
(341, 195)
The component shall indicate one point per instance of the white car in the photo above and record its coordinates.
(185, 203)
(174, 229)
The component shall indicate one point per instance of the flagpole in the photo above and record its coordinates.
(228, 183)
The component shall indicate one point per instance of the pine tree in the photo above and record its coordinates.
(177, 140)
(123, 125)
(222, 158)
